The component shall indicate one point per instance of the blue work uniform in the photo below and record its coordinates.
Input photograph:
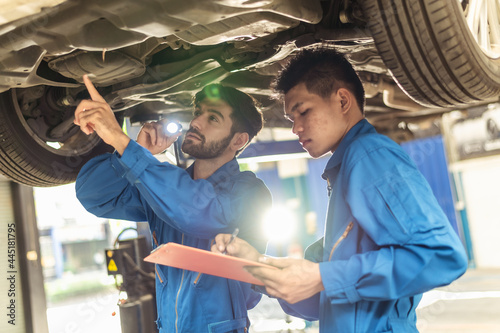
(386, 240)
(137, 187)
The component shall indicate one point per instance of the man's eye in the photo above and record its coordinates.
(214, 118)
(304, 112)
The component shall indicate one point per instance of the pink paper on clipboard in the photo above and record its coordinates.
(193, 259)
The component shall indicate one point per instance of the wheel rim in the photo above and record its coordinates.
(483, 19)
(78, 144)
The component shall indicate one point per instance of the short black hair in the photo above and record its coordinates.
(323, 70)
(247, 116)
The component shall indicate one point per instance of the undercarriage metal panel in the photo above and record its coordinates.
(66, 31)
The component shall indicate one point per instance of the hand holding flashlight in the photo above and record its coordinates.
(157, 136)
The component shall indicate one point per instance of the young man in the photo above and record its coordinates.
(188, 207)
(386, 239)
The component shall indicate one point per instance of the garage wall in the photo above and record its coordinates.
(481, 185)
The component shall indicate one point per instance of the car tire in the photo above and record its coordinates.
(431, 52)
(27, 159)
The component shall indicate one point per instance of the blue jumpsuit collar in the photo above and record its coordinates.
(231, 168)
(362, 127)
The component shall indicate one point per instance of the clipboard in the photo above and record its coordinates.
(203, 261)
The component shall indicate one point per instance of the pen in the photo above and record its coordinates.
(233, 236)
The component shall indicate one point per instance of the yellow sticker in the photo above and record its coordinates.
(112, 266)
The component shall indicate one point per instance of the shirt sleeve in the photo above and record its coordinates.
(136, 185)
(307, 309)
(415, 248)
(104, 191)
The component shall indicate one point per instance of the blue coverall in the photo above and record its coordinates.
(386, 240)
(137, 187)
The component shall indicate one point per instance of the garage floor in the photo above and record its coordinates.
(469, 305)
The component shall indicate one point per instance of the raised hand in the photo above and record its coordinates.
(95, 115)
(154, 138)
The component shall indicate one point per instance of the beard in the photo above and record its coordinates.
(204, 150)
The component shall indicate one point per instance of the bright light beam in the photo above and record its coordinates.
(279, 224)
(173, 127)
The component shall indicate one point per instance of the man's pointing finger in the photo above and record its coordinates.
(94, 94)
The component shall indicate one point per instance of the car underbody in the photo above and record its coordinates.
(417, 60)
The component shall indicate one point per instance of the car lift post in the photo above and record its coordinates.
(25, 293)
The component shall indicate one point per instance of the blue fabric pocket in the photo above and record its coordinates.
(228, 326)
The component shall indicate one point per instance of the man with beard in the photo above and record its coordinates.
(189, 206)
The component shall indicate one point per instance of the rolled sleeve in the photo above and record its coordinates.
(135, 160)
(334, 280)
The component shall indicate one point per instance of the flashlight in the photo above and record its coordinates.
(173, 127)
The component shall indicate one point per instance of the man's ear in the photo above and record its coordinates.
(239, 140)
(345, 99)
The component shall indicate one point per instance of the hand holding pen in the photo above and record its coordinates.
(239, 247)
(233, 236)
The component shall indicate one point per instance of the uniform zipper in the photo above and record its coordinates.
(158, 274)
(344, 235)
(156, 267)
(199, 274)
(154, 238)
(197, 278)
(178, 292)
